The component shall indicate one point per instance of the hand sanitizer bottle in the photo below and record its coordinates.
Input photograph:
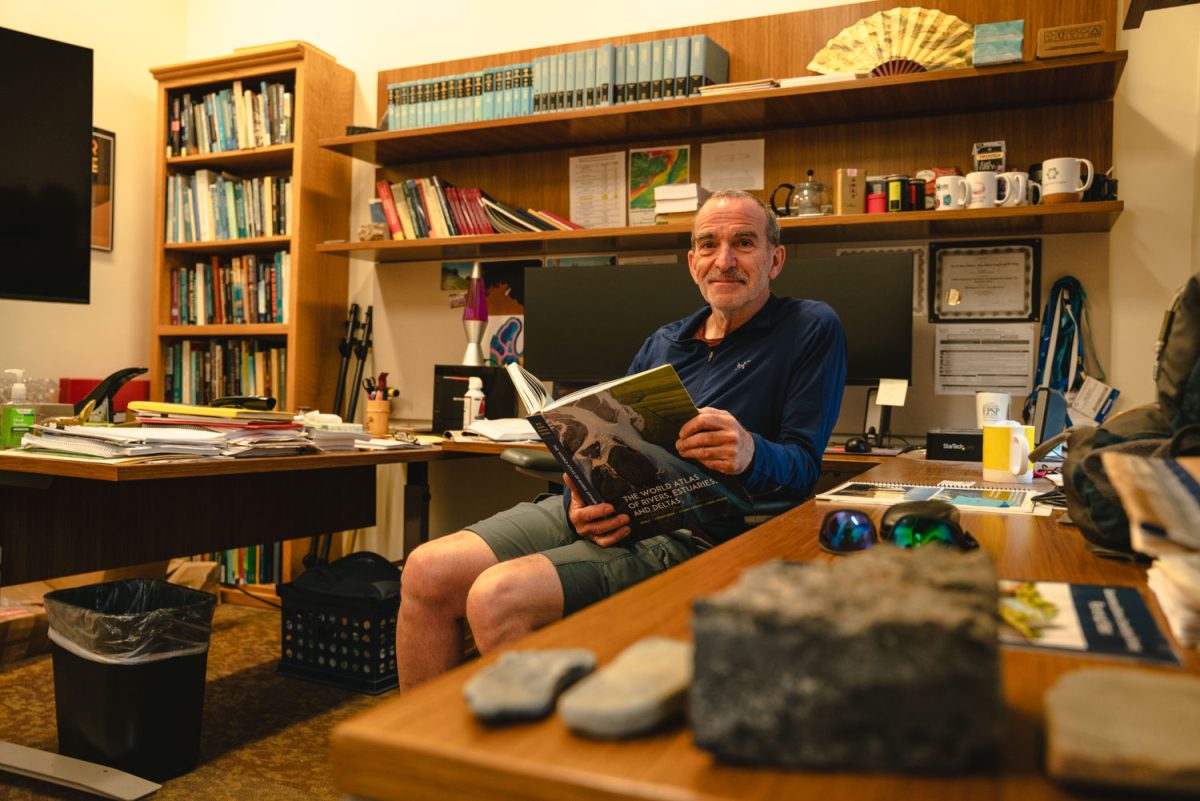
(17, 416)
(473, 402)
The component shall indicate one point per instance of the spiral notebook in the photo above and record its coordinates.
(1009, 500)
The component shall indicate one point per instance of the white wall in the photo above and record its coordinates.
(53, 340)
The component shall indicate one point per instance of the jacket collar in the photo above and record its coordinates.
(686, 328)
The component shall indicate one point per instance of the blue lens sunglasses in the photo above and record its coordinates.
(845, 531)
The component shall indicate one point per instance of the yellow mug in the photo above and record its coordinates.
(1006, 447)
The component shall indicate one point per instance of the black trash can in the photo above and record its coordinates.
(129, 661)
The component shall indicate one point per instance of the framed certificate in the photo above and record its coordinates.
(985, 281)
(104, 152)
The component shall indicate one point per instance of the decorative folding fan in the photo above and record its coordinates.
(897, 41)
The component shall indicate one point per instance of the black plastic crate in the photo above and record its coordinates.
(340, 640)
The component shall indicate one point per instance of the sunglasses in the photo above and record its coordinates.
(850, 531)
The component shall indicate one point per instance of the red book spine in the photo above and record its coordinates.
(459, 209)
(384, 190)
(476, 205)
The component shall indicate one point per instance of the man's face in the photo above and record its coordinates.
(731, 262)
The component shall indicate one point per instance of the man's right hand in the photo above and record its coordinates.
(596, 523)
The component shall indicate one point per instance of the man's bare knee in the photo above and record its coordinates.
(441, 571)
(512, 599)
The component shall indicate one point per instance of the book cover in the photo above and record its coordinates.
(589, 78)
(668, 69)
(656, 67)
(645, 51)
(631, 72)
(709, 63)
(683, 52)
(619, 74)
(1091, 619)
(616, 441)
(384, 190)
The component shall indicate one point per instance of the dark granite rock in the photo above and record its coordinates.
(886, 660)
(523, 685)
(641, 690)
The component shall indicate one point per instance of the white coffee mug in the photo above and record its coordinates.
(951, 192)
(991, 408)
(1061, 181)
(982, 189)
(1006, 447)
(1016, 189)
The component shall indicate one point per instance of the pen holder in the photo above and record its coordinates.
(377, 417)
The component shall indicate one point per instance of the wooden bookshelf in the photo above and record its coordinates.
(323, 102)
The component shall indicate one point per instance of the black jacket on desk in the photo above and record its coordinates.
(781, 375)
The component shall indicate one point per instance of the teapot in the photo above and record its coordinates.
(803, 198)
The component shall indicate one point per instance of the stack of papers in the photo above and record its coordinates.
(1161, 497)
(108, 442)
(833, 77)
(670, 198)
(506, 429)
(738, 86)
(155, 412)
(335, 436)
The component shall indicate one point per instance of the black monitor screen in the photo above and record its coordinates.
(45, 169)
(586, 323)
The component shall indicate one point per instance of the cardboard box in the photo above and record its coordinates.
(1071, 40)
(849, 190)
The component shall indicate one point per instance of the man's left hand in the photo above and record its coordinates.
(717, 440)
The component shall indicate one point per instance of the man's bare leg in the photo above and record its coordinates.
(433, 601)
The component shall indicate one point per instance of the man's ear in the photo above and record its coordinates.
(691, 255)
(777, 260)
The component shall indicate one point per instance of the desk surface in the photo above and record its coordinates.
(426, 745)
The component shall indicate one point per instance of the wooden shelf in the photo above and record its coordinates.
(1030, 83)
(272, 158)
(1135, 9)
(230, 330)
(231, 245)
(1066, 218)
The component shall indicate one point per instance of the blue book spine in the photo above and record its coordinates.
(645, 70)
(569, 85)
(683, 51)
(667, 82)
(618, 94)
(709, 64)
(488, 97)
(527, 88)
(581, 78)
(537, 84)
(604, 74)
(507, 93)
(631, 72)
(559, 100)
(477, 97)
(591, 84)
(656, 69)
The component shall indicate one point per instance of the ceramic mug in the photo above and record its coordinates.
(1006, 447)
(984, 188)
(1016, 189)
(1062, 181)
(951, 192)
(991, 408)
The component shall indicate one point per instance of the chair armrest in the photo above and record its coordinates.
(530, 459)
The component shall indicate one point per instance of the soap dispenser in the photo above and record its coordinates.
(17, 415)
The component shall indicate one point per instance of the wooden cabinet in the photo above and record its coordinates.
(897, 124)
(322, 102)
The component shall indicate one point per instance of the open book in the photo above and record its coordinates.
(616, 441)
(984, 499)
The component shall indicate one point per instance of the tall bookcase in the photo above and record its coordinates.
(884, 125)
(322, 102)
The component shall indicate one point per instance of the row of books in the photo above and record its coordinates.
(232, 118)
(601, 76)
(199, 371)
(240, 289)
(208, 206)
(260, 564)
(419, 208)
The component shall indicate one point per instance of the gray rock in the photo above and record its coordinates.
(886, 660)
(640, 690)
(1125, 728)
(523, 685)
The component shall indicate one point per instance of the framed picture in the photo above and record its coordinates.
(973, 282)
(104, 153)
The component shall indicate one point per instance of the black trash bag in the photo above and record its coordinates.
(131, 621)
(360, 575)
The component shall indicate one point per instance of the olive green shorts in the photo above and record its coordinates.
(588, 572)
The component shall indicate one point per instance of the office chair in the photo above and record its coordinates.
(544, 467)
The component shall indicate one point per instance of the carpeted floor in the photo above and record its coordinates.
(264, 737)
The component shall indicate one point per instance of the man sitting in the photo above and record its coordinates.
(767, 374)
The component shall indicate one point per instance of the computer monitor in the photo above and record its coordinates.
(585, 323)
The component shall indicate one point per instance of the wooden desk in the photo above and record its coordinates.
(426, 746)
(59, 517)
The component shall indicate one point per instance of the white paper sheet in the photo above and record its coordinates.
(984, 358)
(892, 392)
(732, 165)
(598, 190)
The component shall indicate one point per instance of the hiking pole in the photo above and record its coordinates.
(361, 348)
(345, 346)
